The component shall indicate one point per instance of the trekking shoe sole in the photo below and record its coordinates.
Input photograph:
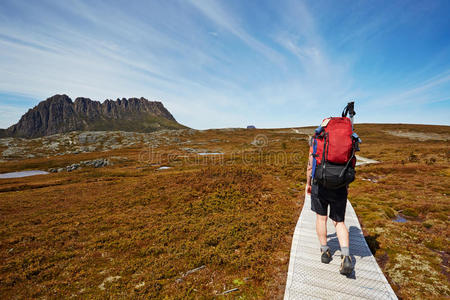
(346, 266)
(326, 260)
(326, 257)
(346, 271)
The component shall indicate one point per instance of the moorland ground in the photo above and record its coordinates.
(132, 230)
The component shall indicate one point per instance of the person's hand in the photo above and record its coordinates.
(308, 189)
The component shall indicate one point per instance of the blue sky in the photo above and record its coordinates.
(232, 63)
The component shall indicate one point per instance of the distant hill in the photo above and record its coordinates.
(58, 114)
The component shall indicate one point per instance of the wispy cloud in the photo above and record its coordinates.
(214, 11)
(321, 79)
(426, 92)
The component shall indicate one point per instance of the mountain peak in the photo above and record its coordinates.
(59, 114)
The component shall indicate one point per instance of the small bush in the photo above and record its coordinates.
(372, 242)
(413, 158)
(431, 161)
(411, 212)
(390, 213)
(437, 243)
(427, 225)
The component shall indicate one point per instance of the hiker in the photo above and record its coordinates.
(330, 169)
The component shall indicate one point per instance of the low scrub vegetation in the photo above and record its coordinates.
(215, 223)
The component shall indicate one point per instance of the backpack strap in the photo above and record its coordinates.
(317, 133)
(348, 163)
(355, 147)
(314, 157)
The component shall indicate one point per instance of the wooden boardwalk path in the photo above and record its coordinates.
(308, 278)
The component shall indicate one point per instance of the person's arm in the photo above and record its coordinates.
(308, 174)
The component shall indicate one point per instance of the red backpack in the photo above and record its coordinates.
(334, 146)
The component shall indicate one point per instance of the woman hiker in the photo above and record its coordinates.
(331, 162)
(321, 198)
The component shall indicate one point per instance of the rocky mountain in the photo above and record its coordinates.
(59, 114)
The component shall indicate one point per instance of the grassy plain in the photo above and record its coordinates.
(132, 231)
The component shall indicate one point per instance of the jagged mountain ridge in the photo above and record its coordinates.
(59, 114)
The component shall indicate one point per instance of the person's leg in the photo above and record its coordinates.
(337, 214)
(320, 208)
(321, 229)
(342, 234)
(346, 267)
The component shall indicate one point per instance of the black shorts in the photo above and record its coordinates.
(322, 197)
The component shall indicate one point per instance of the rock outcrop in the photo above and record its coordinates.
(58, 114)
(96, 163)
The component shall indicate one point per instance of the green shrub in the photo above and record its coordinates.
(427, 225)
(411, 212)
(390, 213)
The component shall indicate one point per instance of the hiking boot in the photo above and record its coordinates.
(346, 265)
(326, 256)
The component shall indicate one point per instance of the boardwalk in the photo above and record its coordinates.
(308, 278)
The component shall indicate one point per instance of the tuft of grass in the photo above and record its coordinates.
(372, 242)
(390, 213)
(411, 212)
